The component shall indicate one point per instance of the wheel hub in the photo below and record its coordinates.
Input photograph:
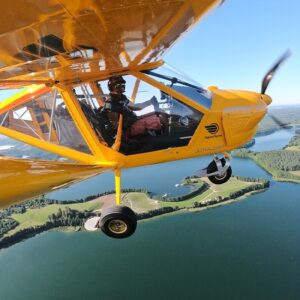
(117, 226)
(221, 176)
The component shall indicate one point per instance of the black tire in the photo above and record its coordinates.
(218, 179)
(118, 222)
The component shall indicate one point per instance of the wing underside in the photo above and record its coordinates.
(65, 40)
(25, 179)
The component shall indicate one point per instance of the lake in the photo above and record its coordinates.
(246, 250)
(274, 141)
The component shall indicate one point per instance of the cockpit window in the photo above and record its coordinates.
(182, 84)
(130, 116)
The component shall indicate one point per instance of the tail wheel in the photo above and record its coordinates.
(218, 179)
(118, 222)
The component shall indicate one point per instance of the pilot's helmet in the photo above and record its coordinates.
(116, 84)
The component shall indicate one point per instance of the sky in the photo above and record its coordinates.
(235, 45)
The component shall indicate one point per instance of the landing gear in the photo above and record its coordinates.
(219, 171)
(118, 222)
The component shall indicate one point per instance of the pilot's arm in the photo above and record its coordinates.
(140, 106)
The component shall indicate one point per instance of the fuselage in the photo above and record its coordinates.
(194, 121)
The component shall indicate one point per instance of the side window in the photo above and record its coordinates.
(132, 117)
(45, 117)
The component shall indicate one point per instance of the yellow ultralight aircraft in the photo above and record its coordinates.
(63, 54)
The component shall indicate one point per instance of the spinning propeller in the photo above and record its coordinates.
(267, 79)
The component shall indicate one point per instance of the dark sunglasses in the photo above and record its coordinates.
(120, 84)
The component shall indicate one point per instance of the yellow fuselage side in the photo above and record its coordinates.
(235, 113)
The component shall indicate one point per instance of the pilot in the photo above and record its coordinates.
(117, 103)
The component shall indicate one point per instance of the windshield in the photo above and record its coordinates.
(182, 84)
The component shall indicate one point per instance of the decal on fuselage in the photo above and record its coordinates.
(212, 128)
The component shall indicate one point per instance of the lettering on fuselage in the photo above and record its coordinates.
(213, 136)
(213, 149)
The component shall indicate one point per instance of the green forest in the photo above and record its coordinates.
(280, 163)
(280, 160)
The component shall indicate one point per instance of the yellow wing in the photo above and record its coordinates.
(24, 179)
(67, 40)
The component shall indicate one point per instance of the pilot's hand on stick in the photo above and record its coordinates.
(154, 102)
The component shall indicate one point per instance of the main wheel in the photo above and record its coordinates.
(218, 179)
(118, 222)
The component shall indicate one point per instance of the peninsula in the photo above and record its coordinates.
(25, 220)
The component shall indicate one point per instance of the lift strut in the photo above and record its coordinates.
(118, 186)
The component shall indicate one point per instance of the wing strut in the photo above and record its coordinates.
(118, 186)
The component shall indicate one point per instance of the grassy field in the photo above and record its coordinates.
(39, 216)
(139, 202)
(292, 148)
(297, 173)
(214, 191)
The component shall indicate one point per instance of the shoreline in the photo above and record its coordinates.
(149, 215)
(273, 174)
(273, 130)
(204, 208)
(267, 159)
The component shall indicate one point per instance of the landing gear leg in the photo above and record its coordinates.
(118, 221)
(219, 170)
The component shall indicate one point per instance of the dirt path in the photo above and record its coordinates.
(110, 200)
